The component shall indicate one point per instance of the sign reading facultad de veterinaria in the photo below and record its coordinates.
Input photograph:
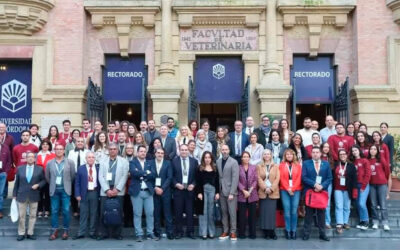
(219, 39)
(15, 96)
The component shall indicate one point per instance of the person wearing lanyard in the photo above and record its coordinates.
(345, 186)
(290, 186)
(239, 141)
(86, 192)
(316, 175)
(162, 193)
(184, 168)
(60, 174)
(141, 191)
(121, 143)
(276, 146)
(113, 173)
(268, 193)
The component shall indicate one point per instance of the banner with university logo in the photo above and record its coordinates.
(123, 79)
(219, 79)
(16, 96)
(315, 79)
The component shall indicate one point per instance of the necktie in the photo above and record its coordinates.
(238, 144)
(184, 167)
(79, 159)
(29, 176)
(90, 174)
(317, 166)
(184, 140)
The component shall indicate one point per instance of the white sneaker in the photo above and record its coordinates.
(375, 226)
(386, 227)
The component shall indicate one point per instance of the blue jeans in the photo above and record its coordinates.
(290, 205)
(328, 208)
(3, 180)
(60, 196)
(342, 207)
(377, 195)
(362, 203)
(143, 199)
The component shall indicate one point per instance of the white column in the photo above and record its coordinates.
(166, 67)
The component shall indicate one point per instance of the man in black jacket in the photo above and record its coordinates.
(28, 182)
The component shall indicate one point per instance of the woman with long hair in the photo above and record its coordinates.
(380, 173)
(286, 133)
(221, 138)
(207, 191)
(183, 137)
(363, 177)
(255, 149)
(382, 147)
(350, 130)
(276, 145)
(154, 145)
(247, 197)
(100, 147)
(362, 142)
(53, 137)
(71, 145)
(202, 145)
(130, 135)
(290, 188)
(139, 140)
(297, 146)
(268, 193)
(194, 127)
(98, 126)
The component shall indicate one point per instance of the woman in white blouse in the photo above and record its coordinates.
(100, 147)
(255, 149)
(202, 145)
(183, 137)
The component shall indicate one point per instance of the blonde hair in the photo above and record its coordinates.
(189, 136)
(262, 162)
(289, 150)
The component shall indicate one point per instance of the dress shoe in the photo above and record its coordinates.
(306, 237)
(20, 237)
(324, 238)
(92, 236)
(178, 236)
(287, 235)
(273, 235)
(293, 235)
(31, 237)
(211, 237)
(153, 237)
(233, 237)
(77, 237)
(139, 238)
(224, 236)
(191, 236)
(54, 235)
(170, 236)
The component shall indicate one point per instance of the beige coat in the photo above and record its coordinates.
(273, 178)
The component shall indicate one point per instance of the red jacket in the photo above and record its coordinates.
(339, 142)
(363, 172)
(284, 177)
(43, 159)
(379, 172)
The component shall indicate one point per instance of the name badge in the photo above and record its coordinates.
(91, 185)
(185, 179)
(268, 183)
(109, 176)
(58, 180)
(290, 183)
(1, 164)
(158, 182)
(342, 181)
(319, 179)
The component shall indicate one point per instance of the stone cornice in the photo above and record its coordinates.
(314, 17)
(23, 17)
(123, 18)
(394, 5)
(221, 15)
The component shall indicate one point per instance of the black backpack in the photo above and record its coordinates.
(112, 212)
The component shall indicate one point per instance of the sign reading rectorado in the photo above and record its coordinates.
(219, 39)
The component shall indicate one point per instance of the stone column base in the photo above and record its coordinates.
(273, 99)
(165, 98)
(373, 104)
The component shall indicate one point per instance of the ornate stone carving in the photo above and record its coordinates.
(394, 5)
(315, 17)
(123, 18)
(23, 17)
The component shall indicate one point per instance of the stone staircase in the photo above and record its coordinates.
(42, 228)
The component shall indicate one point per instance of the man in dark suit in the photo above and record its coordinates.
(151, 132)
(141, 190)
(239, 141)
(162, 193)
(87, 193)
(168, 143)
(28, 182)
(316, 175)
(184, 168)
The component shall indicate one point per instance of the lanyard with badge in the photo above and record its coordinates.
(109, 173)
(290, 169)
(1, 163)
(267, 181)
(59, 174)
(158, 179)
(342, 171)
(318, 179)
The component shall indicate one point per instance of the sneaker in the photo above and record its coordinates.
(386, 227)
(224, 236)
(375, 226)
(233, 237)
(359, 225)
(364, 225)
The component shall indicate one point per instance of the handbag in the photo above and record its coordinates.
(217, 211)
(317, 200)
(14, 211)
(11, 174)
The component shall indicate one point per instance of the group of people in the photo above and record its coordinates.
(171, 174)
